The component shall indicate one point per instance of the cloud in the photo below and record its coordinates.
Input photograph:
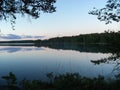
(14, 36)
(29, 36)
(10, 36)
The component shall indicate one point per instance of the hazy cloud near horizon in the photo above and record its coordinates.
(14, 36)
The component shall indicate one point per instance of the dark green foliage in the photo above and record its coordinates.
(10, 79)
(111, 12)
(115, 57)
(50, 76)
(69, 82)
(9, 9)
(108, 37)
(76, 82)
(35, 85)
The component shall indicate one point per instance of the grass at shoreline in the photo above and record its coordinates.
(66, 81)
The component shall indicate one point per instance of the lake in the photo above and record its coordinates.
(32, 62)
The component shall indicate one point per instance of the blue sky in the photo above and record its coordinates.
(71, 18)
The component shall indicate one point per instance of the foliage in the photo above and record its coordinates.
(50, 76)
(111, 12)
(108, 37)
(10, 79)
(10, 8)
(112, 59)
(70, 81)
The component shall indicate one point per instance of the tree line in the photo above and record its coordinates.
(107, 37)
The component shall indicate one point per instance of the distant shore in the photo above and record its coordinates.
(106, 38)
(17, 44)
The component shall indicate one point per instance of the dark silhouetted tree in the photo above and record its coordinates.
(111, 12)
(10, 8)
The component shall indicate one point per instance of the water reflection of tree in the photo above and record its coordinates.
(113, 59)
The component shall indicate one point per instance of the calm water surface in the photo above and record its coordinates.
(35, 62)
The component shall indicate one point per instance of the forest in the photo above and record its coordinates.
(107, 37)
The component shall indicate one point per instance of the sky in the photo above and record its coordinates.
(71, 18)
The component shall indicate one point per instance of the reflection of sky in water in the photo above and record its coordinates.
(13, 49)
(34, 62)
